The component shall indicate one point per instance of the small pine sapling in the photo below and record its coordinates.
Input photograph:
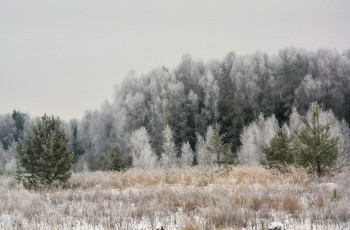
(43, 155)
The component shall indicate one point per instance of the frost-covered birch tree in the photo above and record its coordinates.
(187, 155)
(204, 156)
(259, 132)
(168, 158)
(141, 151)
(7, 159)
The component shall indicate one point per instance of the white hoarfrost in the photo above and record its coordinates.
(7, 159)
(141, 151)
(338, 129)
(186, 155)
(294, 120)
(168, 158)
(259, 132)
(204, 157)
(276, 226)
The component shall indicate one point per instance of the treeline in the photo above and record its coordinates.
(231, 93)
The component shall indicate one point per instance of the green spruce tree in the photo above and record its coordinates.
(316, 149)
(279, 152)
(216, 144)
(112, 159)
(43, 156)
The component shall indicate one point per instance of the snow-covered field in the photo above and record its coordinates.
(239, 197)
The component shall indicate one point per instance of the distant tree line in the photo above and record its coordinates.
(199, 113)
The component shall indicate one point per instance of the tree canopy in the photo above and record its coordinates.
(43, 156)
(193, 96)
(316, 148)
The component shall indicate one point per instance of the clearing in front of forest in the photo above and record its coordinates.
(226, 197)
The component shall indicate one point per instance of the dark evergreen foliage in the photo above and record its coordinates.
(74, 143)
(112, 159)
(43, 156)
(216, 144)
(316, 148)
(280, 150)
(19, 119)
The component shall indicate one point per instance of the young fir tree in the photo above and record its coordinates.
(112, 159)
(216, 144)
(43, 156)
(316, 148)
(280, 151)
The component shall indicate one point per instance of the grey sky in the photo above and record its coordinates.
(64, 57)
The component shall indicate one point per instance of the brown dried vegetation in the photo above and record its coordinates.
(182, 198)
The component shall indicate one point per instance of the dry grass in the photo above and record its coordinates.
(187, 198)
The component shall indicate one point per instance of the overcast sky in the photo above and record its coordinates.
(63, 57)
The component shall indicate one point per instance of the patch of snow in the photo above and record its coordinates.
(276, 226)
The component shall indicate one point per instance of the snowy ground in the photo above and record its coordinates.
(191, 198)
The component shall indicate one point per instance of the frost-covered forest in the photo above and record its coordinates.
(168, 115)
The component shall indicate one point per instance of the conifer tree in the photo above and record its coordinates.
(112, 159)
(216, 144)
(19, 119)
(316, 148)
(43, 156)
(280, 151)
